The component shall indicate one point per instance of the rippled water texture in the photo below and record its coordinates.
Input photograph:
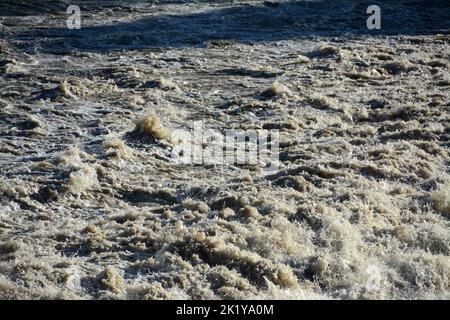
(93, 207)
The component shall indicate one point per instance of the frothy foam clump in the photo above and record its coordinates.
(151, 126)
(441, 200)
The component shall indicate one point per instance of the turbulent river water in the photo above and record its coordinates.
(93, 205)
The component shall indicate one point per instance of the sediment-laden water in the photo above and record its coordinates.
(93, 207)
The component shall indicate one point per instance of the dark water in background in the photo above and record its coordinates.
(246, 21)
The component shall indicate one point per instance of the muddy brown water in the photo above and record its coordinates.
(92, 208)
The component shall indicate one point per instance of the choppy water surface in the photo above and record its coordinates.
(91, 208)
